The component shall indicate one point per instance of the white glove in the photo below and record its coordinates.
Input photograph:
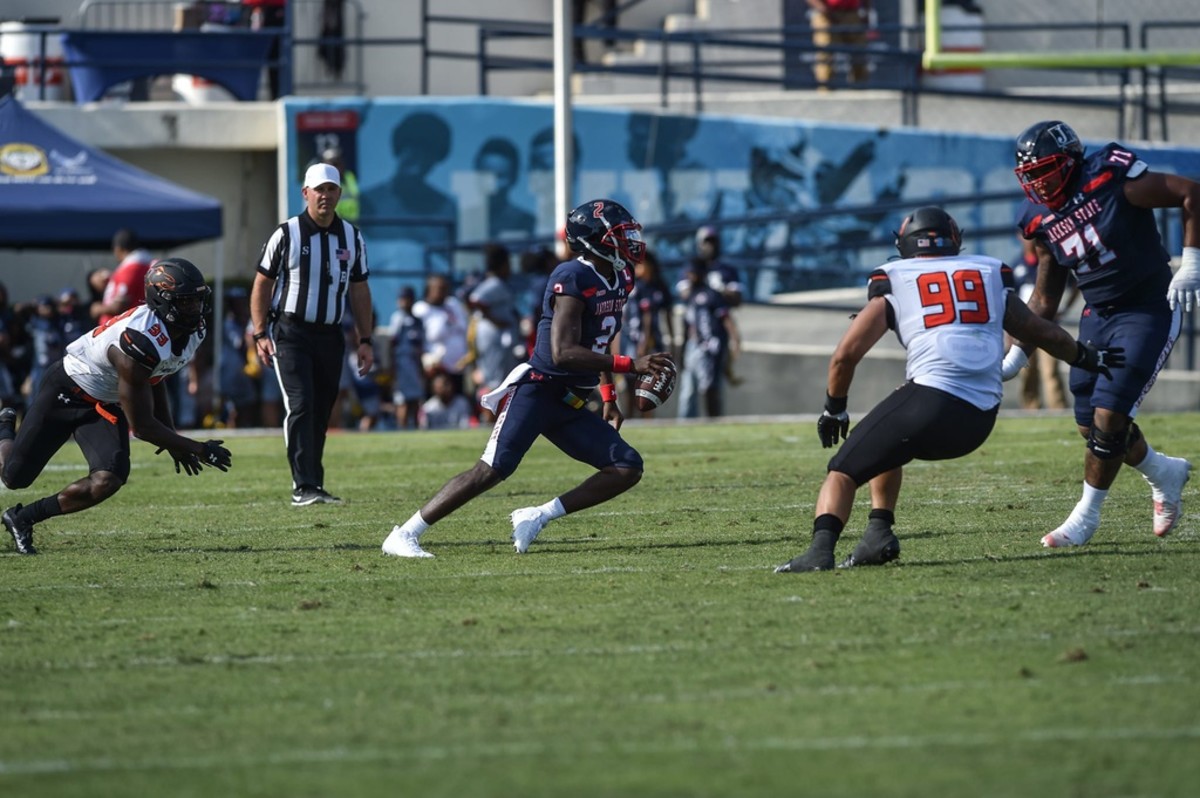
(1185, 285)
(1014, 361)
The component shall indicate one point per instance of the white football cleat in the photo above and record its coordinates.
(1074, 531)
(1168, 497)
(527, 523)
(403, 544)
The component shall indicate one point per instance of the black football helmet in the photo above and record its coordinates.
(177, 293)
(928, 231)
(604, 228)
(1048, 158)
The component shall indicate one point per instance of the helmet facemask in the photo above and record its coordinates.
(178, 294)
(626, 245)
(1047, 181)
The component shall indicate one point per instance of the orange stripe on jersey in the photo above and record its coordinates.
(1097, 181)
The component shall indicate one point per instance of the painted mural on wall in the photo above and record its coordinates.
(439, 177)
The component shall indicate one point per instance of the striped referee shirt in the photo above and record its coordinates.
(313, 268)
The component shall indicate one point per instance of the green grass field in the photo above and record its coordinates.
(200, 637)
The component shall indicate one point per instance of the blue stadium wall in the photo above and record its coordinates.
(439, 178)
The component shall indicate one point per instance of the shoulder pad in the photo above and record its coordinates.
(878, 284)
(138, 346)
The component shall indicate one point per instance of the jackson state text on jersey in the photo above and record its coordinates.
(949, 314)
(1112, 246)
(603, 302)
(140, 335)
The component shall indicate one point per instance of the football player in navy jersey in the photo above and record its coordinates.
(108, 385)
(1094, 216)
(950, 312)
(581, 312)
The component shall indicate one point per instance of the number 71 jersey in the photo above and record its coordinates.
(948, 313)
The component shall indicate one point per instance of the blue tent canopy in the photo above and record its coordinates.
(57, 193)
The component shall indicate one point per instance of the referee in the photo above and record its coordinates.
(309, 266)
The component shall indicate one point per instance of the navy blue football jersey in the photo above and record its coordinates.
(604, 303)
(1112, 246)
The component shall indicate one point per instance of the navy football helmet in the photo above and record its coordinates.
(604, 229)
(177, 293)
(928, 231)
(1049, 155)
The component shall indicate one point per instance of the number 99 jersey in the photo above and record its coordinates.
(948, 312)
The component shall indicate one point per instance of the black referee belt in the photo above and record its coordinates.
(299, 321)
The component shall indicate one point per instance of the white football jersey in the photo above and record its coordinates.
(949, 314)
(139, 334)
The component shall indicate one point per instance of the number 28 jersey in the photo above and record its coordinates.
(948, 313)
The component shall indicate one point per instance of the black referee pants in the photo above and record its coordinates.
(308, 362)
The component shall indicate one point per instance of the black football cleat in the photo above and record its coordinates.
(811, 560)
(22, 533)
(878, 546)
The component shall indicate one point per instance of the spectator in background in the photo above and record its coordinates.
(495, 321)
(267, 15)
(721, 276)
(641, 327)
(126, 287)
(445, 320)
(73, 315)
(364, 393)
(237, 387)
(10, 388)
(708, 325)
(46, 338)
(407, 336)
(97, 281)
(270, 394)
(841, 23)
(447, 408)
(725, 280)
(536, 265)
(347, 206)
(579, 15)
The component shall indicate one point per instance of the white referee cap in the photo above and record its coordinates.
(321, 173)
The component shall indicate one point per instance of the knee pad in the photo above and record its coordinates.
(1135, 435)
(1108, 445)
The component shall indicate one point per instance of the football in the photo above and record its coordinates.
(651, 389)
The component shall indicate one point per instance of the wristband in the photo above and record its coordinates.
(835, 404)
(622, 364)
(259, 336)
(608, 392)
(362, 341)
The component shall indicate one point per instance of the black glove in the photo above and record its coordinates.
(188, 463)
(834, 422)
(1099, 360)
(216, 455)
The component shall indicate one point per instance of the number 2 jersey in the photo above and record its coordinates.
(948, 312)
(139, 334)
(603, 305)
(1113, 246)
